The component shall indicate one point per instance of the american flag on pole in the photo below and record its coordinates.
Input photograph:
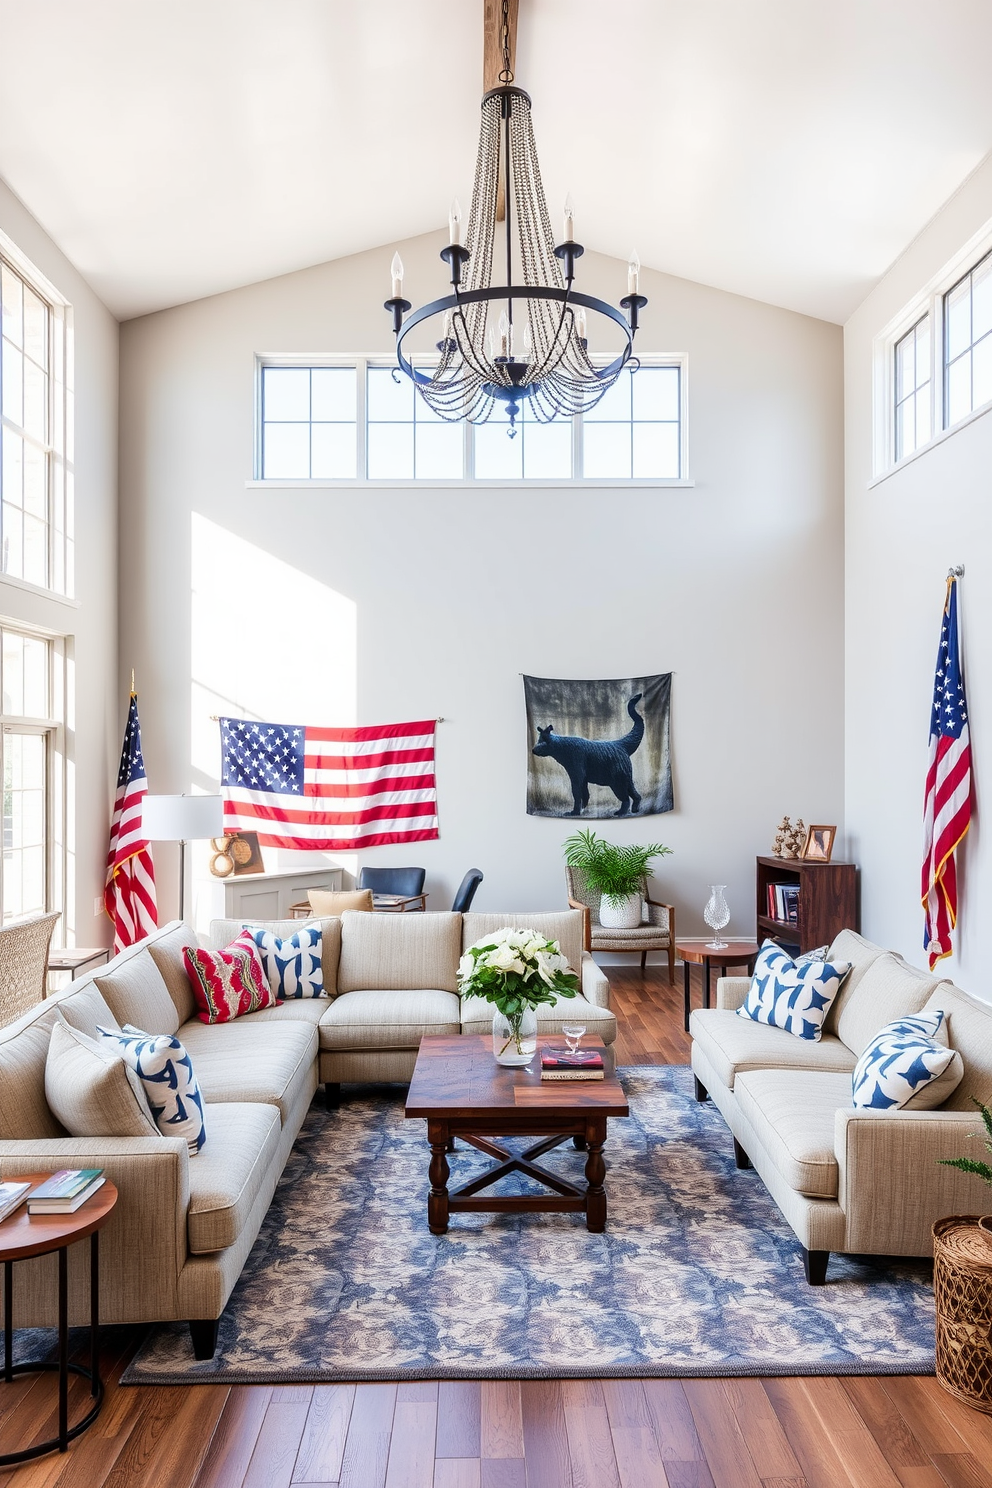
(129, 894)
(329, 788)
(947, 808)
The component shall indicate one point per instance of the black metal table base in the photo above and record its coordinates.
(67, 1433)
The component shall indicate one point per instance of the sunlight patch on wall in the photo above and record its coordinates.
(267, 641)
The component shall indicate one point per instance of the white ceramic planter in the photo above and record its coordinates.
(622, 913)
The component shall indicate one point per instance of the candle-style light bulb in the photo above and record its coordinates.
(505, 337)
(447, 327)
(527, 351)
(633, 270)
(455, 223)
(580, 323)
(396, 270)
(568, 231)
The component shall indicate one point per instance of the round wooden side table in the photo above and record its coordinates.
(23, 1236)
(699, 953)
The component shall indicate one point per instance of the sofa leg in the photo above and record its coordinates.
(332, 1094)
(815, 1266)
(644, 959)
(740, 1157)
(702, 1093)
(203, 1333)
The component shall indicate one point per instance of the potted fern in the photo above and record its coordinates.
(615, 873)
(974, 1165)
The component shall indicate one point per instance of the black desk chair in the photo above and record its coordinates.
(405, 883)
(466, 891)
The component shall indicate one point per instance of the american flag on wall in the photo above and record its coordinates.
(947, 807)
(329, 788)
(129, 893)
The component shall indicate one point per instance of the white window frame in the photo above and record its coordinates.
(365, 360)
(53, 729)
(928, 302)
(58, 448)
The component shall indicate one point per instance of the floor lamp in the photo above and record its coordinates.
(182, 819)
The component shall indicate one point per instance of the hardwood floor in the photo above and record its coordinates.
(708, 1433)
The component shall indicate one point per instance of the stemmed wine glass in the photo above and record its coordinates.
(573, 1035)
(717, 915)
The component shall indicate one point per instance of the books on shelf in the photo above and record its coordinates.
(11, 1197)
(783, 903)
(65, 1191)
(561, 1064)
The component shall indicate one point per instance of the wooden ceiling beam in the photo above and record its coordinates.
(492, 50)
(492, 63)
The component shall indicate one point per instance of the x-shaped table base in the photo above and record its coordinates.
(564, 1197)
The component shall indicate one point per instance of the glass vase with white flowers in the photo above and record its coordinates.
(518, 971)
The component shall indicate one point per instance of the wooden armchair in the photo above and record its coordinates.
(656, 932)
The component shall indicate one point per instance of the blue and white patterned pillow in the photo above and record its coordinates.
(786, 995)
(166, 1073)
(902, 1064)
(293, 965)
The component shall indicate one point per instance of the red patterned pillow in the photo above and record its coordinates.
(228, 983)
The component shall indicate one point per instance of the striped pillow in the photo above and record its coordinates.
(227, 984)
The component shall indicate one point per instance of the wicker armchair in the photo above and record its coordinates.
(24, 964)
(655, 933)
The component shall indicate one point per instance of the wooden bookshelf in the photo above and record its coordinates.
(828, 900)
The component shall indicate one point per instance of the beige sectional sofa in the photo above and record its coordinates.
(184, 1225)
(865, 1182)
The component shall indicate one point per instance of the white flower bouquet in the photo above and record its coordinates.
(516, 970)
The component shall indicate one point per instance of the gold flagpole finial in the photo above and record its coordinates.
(133, 693)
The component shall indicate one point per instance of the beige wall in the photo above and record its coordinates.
(902, 536)
(90, 624)
(374, 605)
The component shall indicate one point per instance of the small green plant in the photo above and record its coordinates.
(971, 1164)
(608, 868)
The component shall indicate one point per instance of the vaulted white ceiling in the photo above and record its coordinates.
(783, 149)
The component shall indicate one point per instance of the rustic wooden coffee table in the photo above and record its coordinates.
(460, 1090)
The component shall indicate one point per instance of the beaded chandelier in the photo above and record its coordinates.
(522, 341)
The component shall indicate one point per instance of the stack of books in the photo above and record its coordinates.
(561, 1064)
(65, 1191)
(783, 903)
(11, 1197)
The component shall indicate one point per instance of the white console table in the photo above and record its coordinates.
(260, 896)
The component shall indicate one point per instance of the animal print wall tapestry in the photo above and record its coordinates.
(599, 748)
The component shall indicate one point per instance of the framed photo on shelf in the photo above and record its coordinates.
(819, 844)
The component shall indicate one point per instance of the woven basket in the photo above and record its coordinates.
(962, 1284)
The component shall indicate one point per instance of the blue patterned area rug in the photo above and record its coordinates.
(696, 1274)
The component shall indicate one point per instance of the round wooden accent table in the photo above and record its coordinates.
(23, 1236)
(700, 953)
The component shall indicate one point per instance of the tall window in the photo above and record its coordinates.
(912, 385)
(364, 421)
(28, 872)
(968, 343)
(35, 432)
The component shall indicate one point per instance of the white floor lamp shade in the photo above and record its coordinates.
(182, 819)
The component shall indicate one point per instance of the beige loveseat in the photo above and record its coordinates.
(184, 1225)
(866, 1182)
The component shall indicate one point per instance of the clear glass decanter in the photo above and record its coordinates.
(717, 915)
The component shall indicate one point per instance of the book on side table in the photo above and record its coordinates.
(561, 1064)
(11, 1197)
(65, 1191)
